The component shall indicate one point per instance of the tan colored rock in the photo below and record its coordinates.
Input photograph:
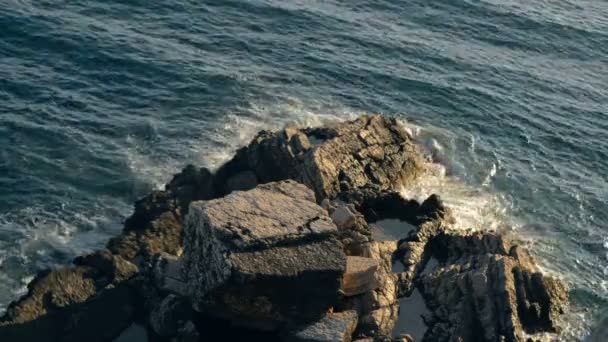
(360, 276)
(484, 289)
(268, 256)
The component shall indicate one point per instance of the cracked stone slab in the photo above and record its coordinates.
(267, 214)
(267, 255)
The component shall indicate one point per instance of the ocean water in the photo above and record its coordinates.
(101, 102)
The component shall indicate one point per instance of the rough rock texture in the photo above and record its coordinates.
(377, 309)
(369, 150)
(267, 256)
(486, 289)
(65, 304)
(156, 224)
(335, 327)
(171, 314)
(270, 258)
(168, 275)
(360, 276)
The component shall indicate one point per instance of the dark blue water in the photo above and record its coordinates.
(101, 102)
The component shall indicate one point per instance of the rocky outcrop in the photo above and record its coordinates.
(335, 327)
(369, 150)
(278, 245)
(484, 288)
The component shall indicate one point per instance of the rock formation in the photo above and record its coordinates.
(277, 245)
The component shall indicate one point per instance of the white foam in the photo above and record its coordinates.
(474, 207)
(238, 128)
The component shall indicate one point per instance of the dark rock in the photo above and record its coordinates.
(169, 316)
(114, 267)
(245, 180)
(68, 305)
(378, 204)
(187, 333)
(377, 309)
(335, 327)
(431, 208)
(150, 208)
(168, 275)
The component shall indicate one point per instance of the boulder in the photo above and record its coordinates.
(265, 257)
(360, 275)
(369, 150)
(377, 203)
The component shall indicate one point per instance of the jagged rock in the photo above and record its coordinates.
(414, 252)
(150, 208)
(485, 290)
(74, 304)
(404, 338)
(192, 184)
(170, 314)
(155, 226)
(376, 203)
(360, 275)
(114, 267)
(163, 234)
(369, 150)
(334, 327)
(378, 309)
(270, 258)
(265, 256)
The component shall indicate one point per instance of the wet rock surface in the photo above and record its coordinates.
(278, 245)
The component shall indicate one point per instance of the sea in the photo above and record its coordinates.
(102, 101)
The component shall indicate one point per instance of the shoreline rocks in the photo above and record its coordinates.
(277, 244)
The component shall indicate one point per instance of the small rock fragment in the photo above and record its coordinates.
(360, 276)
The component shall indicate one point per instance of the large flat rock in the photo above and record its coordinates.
(269, 213)
(267, 256)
